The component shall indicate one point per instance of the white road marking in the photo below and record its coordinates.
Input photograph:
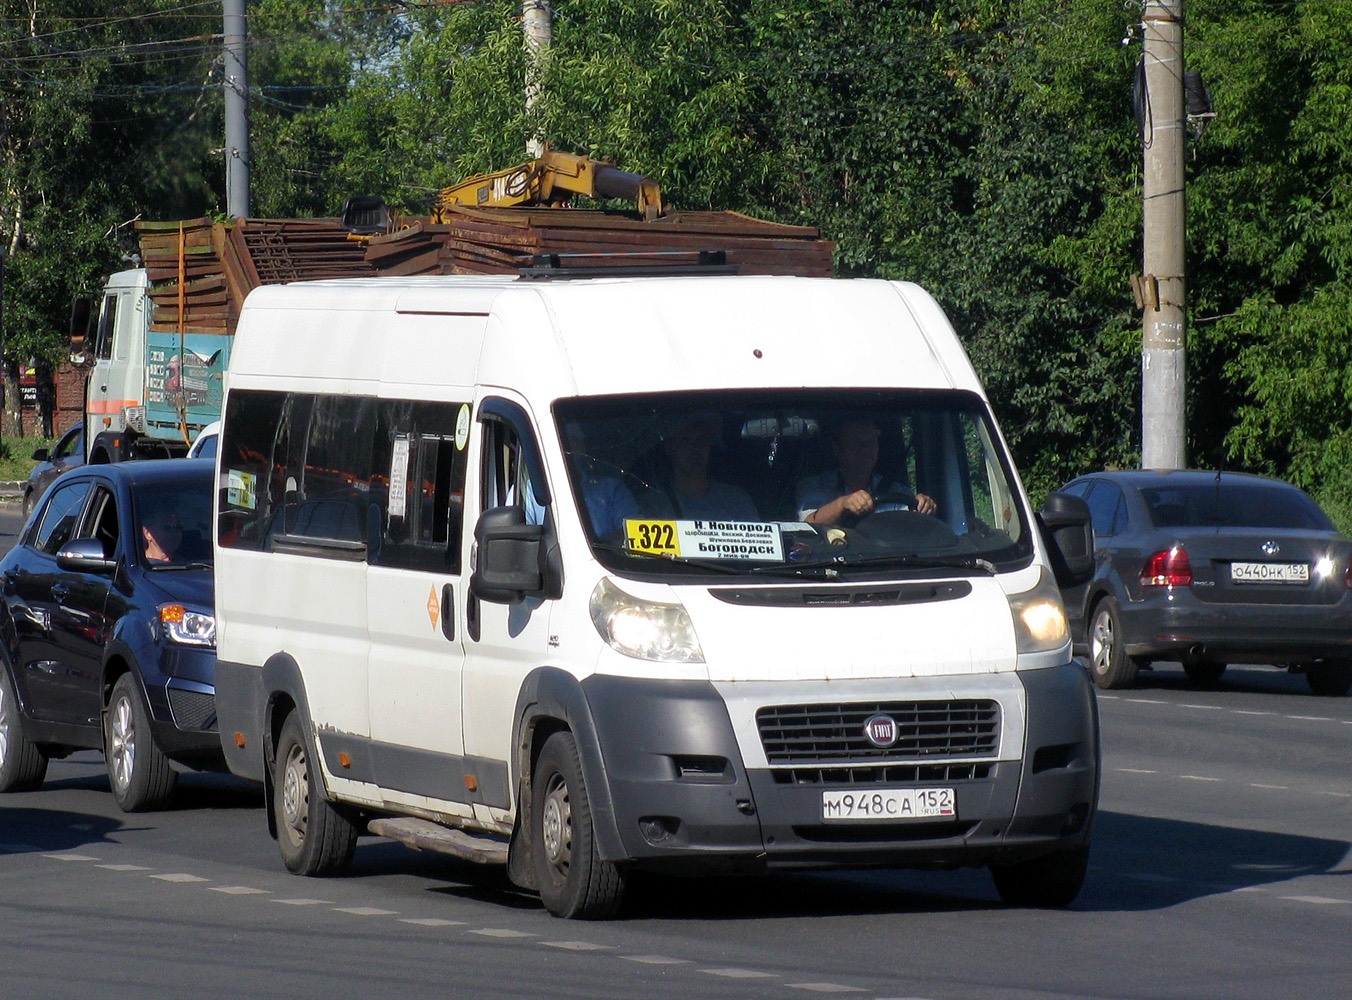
(1255, 784)
(1197, 777)
(238, 890)
(303, 902)
(431, 922)
(738, 973)
(1311, 718)
(1247, 711)
(1136, 770)
(501, 932)
(180, 877)
(365, 911)
(124, 868)
(655, 959)
(577, 945)
(1146, 701)
(70, 857)
(1320, 900)
(824, 987)
(1208, 708)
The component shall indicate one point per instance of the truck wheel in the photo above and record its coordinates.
(22, 765)
(1048, 882)
(314, 837)
(1204, 673)
(574, 881)
(138, 772)
(1109, 664)
(1329, 680)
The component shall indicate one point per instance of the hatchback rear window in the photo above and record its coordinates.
(1233, 505)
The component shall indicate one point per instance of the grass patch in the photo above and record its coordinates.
(16, 456)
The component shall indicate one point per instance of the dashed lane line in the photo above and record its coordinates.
(238, 890)
(1194, 706)
(303, 902)
(824, 988)
(1197, 777)
(578, 946)
(431, 922)
(1316, 900)
(655, 959)
(500, 932)
(366, 911)
(180, 877)
(124, 868)
(70, 856)
(738, 973)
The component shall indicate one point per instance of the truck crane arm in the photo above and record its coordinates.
(550, 180)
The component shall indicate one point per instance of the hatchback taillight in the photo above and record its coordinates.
(1169, 568)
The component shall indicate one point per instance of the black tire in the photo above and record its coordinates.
(315, 838)
(574, 882)
(27, 504)
(22, 764)
(1048, 882)
(1329, 680)
(1109, 664)
(1204, 673)
(138, 772)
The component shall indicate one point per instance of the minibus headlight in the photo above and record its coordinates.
(1039, 618)
(185, 627)
(642, 629)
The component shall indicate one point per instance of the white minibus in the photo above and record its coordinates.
(685, 574)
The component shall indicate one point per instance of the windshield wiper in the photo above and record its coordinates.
(716, 567)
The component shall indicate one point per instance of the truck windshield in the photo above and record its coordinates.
(793, 483)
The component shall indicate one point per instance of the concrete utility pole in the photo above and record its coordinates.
(236, 88)
(1162, 290)
(537, 21)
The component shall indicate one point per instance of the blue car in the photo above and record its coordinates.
(107, 630)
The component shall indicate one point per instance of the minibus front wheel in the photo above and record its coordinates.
(574, 881)
(315, 838)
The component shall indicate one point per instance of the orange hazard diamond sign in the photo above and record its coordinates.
(433, 606)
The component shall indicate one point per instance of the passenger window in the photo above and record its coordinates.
(61, 517)
(102, 522)
(1107, 509)
(421, 450)
(506, 479)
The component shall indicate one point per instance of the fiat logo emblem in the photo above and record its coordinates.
(881, 730)
(1271, 548)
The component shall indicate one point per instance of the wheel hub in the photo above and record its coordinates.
(123, 743)
(294, 795)
(554, 827)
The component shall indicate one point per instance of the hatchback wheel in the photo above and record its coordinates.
(1330, 680)
(1204, 673)
(22, 765)
(1109, 663)
(138, 771)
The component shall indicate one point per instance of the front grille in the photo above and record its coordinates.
(193, 710)
(834, 734)
(888, 774)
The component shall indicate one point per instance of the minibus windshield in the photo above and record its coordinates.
(793, 483)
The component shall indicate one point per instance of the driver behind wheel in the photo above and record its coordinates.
(848, 491)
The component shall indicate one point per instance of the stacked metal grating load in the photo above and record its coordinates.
(503, 240)
(200, 271)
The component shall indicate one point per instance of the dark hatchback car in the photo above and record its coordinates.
(1209, 569)
(68, 453)
(107, 633)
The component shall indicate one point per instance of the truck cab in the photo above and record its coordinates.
(152, 388)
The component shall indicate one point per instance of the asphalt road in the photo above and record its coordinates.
(1220, 869)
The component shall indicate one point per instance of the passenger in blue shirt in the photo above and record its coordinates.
(848, 491)
(690, 494)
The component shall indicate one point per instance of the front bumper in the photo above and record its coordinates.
(682, 799)
(181, 694)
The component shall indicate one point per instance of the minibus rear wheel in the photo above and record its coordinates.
(314, 837)
(574, 881)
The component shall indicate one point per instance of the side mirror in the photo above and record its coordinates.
(1066, 532)
(85, 555)
(39, 454)
(509, 566)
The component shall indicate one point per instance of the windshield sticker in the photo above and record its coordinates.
(744, 540)
(240, 489)
(399, 478)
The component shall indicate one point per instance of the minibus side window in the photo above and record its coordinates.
(328, 490)
(253, 449)
(424, 461)
(506, 479)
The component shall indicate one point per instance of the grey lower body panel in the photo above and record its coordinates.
(683, 801)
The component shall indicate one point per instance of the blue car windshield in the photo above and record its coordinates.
(173, 523)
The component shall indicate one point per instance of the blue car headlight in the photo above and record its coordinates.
(186, 627)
